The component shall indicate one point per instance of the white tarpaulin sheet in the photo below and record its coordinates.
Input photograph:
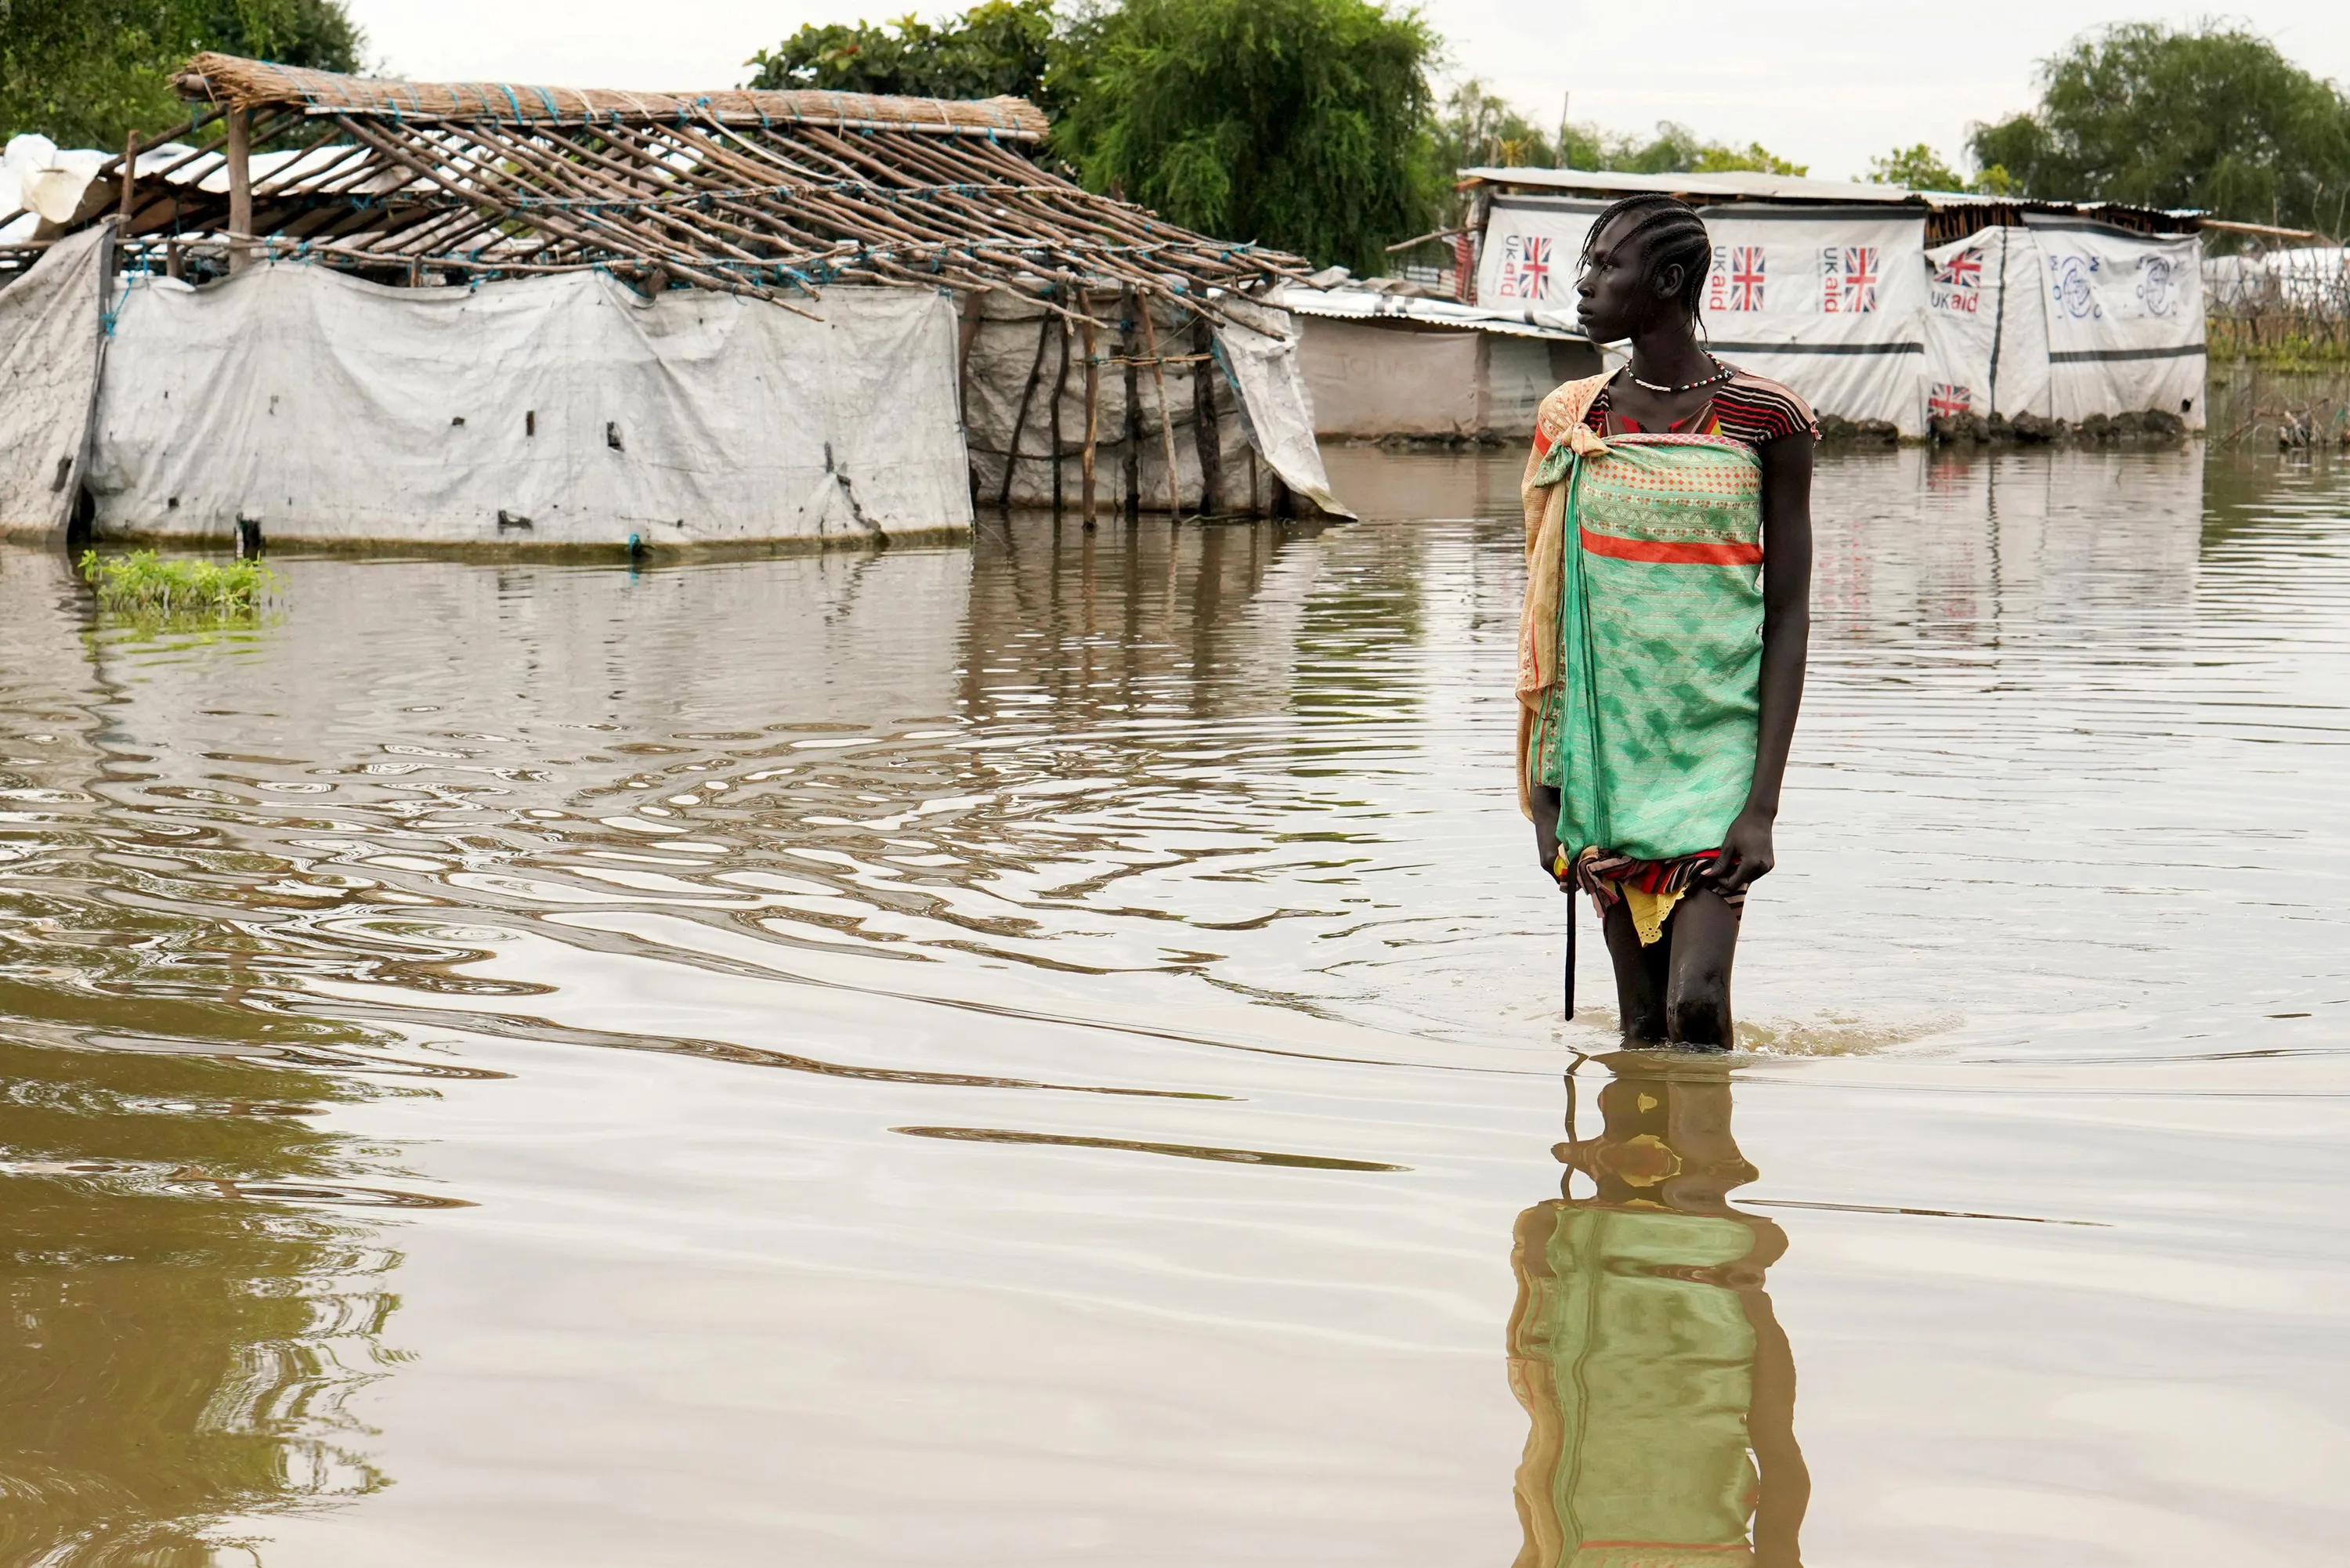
(2124, 319)
(1963, 300)
(2064, 321)
(1263, 364)
(51, 335)
(1830, 300)
(565, 409)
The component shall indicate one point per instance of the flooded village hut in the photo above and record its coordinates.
(347, 310)
(1889, 307)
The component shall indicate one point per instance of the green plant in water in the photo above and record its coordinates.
(145, 584)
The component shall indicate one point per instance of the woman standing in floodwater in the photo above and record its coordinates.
(1661, 655)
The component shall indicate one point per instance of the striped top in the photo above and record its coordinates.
(1746, 409)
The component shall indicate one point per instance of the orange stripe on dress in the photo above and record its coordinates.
(1676, 554)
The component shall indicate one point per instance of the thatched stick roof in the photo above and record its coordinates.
(776, 195)
(255, 84)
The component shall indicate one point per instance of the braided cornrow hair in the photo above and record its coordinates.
(1669, 231)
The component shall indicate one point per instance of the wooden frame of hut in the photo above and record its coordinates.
(732, 317)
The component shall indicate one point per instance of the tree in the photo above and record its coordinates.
(85, 72)
(1675, 149)
(2216, 119)
(1303, 124)
(1920, 168)
(1001, 47)
(1474, 129)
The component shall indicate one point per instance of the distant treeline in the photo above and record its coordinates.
(1313, 125)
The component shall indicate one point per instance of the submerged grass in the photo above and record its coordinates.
(145, 585)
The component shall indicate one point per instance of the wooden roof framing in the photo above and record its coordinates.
(776, 194)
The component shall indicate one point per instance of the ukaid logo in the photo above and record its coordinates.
(1525, 266)
(2158, 290)
(1736, 281)
(1958, 284)
(1947, 398)
(1848, 276)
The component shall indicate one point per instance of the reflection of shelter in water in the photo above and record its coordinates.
(1918, 547)
(1661, 1388)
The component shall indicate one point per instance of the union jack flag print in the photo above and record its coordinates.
(1740, 278)
(1849, 277)
(1525, 266)
(1946, 398)
(1963, 270)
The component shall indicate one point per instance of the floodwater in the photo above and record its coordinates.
(1047, 1053)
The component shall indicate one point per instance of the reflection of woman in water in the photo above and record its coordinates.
(1660, 1385)
(1660, 660)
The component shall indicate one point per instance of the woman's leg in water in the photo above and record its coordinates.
(1642, 978)
(1702, 935)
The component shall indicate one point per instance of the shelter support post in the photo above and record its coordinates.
(1130, 470)
(1205, 432)
(1060, 395)
(1020, 421)
(129, 180)
(240, 191)
(1166, 414)
(1093, 421)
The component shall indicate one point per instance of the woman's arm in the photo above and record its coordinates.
(1786, 637)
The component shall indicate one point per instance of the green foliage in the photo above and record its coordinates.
(1474, 129)
(146, 586)
(85, 72)
(2215, 117)
(1920, 168)
(1001, 47)
(1303, 124)
(1714, 159)
(1674, 149)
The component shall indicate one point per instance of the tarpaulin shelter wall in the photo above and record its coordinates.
(2121, 331)
(1225, 399)
(1383, 363)
(1374, 377)
(51, 336)
(1828, 299)
(2066, 319)
(565, 409)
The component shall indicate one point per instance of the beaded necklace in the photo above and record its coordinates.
(1721, 373)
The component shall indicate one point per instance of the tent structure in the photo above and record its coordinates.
(1381, 363)
(352, 310)
(1893, 306)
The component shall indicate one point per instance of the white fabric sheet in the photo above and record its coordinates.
(2124, 319)
(1258, 349)
(50, 338)
(1830, 300)
(565, 409)
(1963, 318)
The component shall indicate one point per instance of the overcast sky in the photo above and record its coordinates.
(1828, 85)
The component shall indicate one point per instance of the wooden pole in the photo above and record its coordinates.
(1060, 394)
(1020, 421)
(1130, 470)
(240, 191)
(1206, 434)
(1093, 421)
(1166, 416)
(129, 183)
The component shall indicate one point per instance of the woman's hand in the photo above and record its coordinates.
(1745, 854)
(1545, 805)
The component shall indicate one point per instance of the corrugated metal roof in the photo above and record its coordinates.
(1752, 185)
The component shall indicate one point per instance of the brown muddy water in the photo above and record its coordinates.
(1046, 1053)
